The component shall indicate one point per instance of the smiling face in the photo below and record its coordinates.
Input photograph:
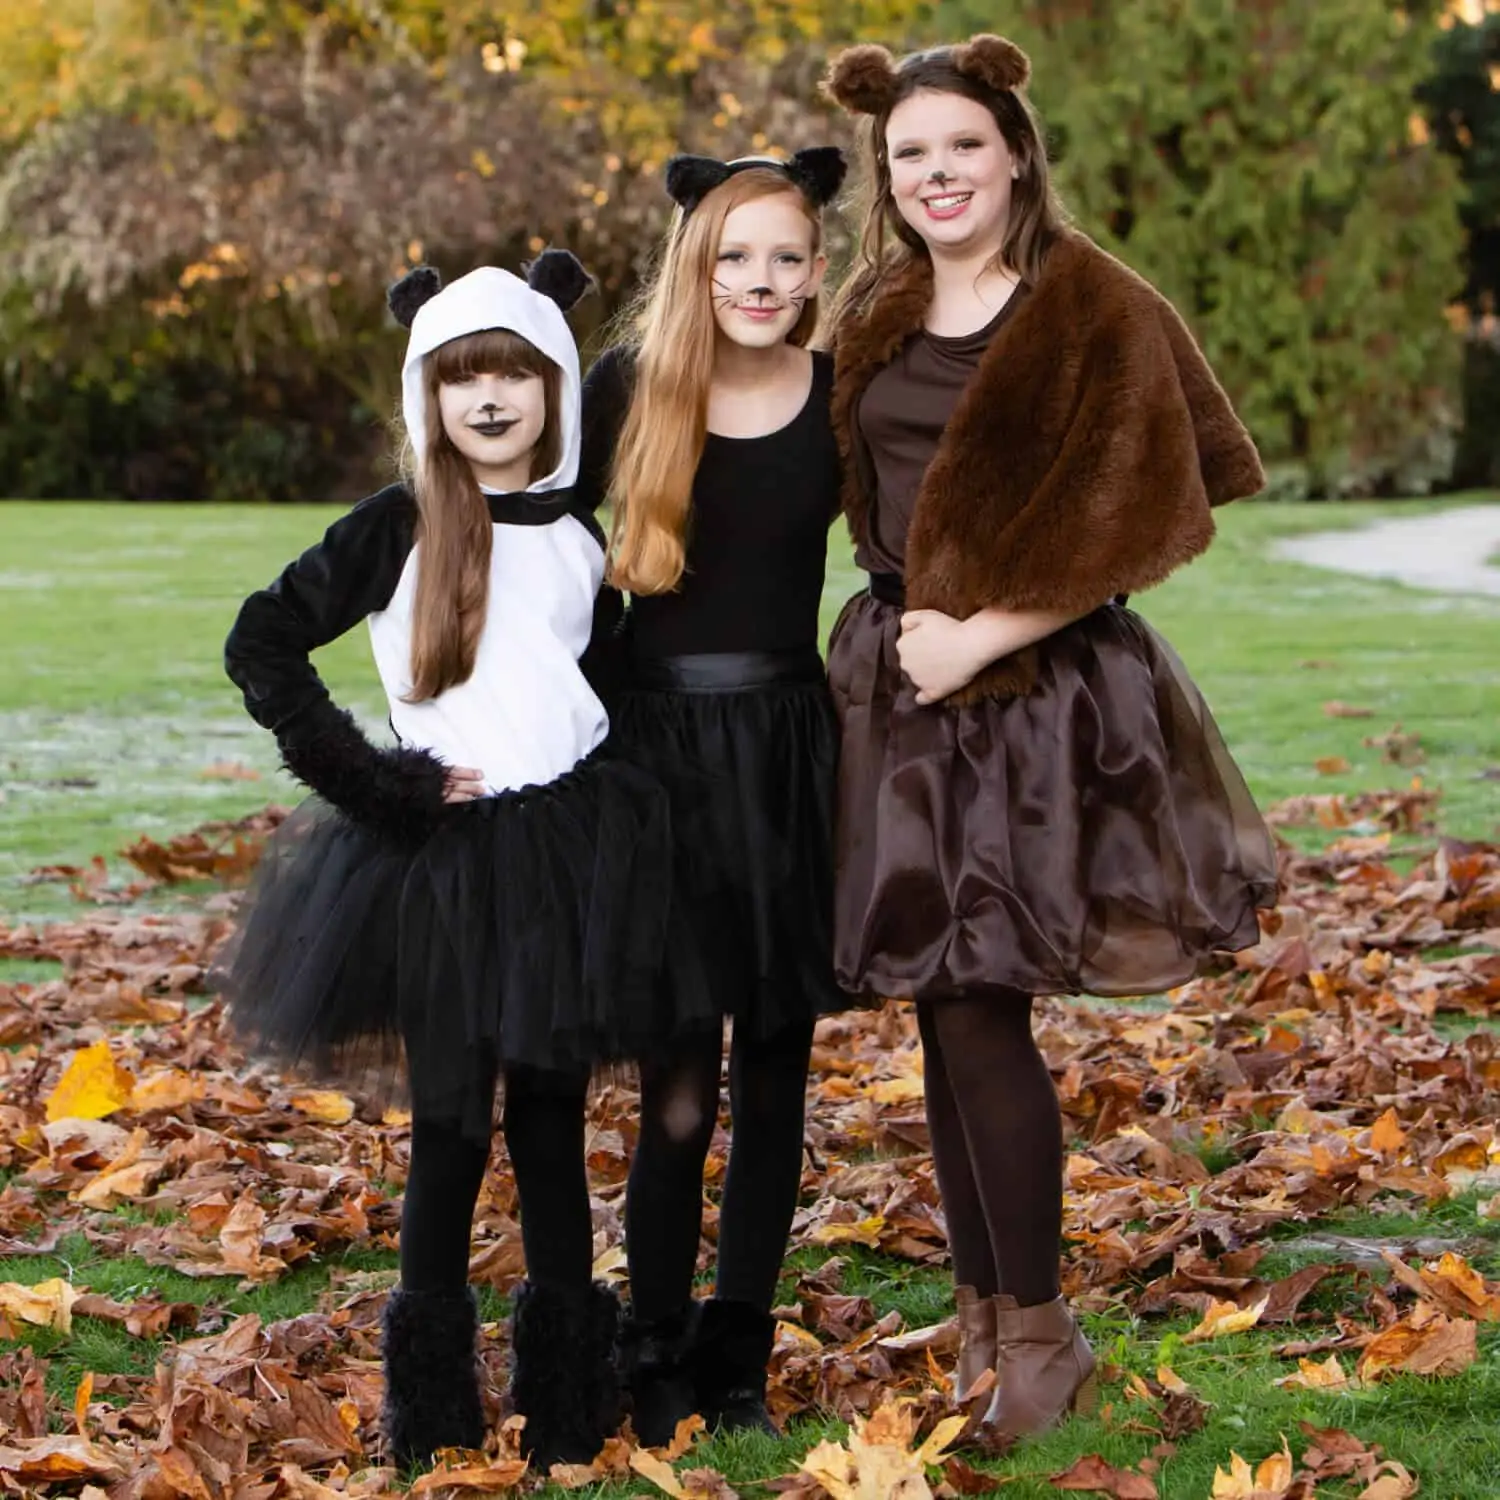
(951, 172)
(766, 270)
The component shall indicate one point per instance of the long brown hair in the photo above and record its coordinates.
(1036, 214)
(674, 332)
(453, 521)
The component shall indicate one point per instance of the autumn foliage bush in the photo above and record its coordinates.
(200, 204)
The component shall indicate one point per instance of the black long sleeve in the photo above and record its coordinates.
(327, 591)
(606, 403)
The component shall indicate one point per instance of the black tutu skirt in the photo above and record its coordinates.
(1091, 836)
(527, 931)
(746, 744)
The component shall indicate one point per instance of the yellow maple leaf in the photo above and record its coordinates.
(659, 1472)
(48, 1304)
(1311, 1376)
(327, 1105)
(92, 1086)
(1387, 1135)
(1455, 1272)
(165, 1088)
(864, 1232)
(1268, 1480)
(1224, 1318)
(897, 1091)
(1395, 1482)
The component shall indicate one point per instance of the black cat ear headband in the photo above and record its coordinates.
(557, 274)
(818, 172)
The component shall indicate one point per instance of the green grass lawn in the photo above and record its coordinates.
(113, 705)
(113, 701)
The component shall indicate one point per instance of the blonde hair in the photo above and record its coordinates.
(662, 440)
(453, 520)
(1036, 215)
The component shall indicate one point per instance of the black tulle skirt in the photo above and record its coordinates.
(746, 744)
(1093, 835)
(527, 931)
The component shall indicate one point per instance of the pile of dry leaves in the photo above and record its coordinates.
(1306, 1076)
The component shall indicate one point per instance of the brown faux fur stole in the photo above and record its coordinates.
(1080, 463)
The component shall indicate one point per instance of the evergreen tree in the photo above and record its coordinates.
(1462, 104)
(1260, 162)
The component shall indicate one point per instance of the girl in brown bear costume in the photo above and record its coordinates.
(1034, 799)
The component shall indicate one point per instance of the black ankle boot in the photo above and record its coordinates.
(730, 1355)
(563, 1377)
(431, 1380)
(657, 1374)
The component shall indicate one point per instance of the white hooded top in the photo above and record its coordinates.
(526, 715)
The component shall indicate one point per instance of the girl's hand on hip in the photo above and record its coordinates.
(463, 784)
(938, 653)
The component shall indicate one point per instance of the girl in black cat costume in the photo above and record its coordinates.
(710, 433)
(488, 896)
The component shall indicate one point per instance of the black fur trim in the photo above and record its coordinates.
(431, 1380)
(564, 1380)
(405, 297)
(819, 172)
(690, 179)
(560, 275)
(397, 792)
(656, 1367)
(729, 1359)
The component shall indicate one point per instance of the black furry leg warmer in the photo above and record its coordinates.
(431, 1379)
(730, 1355)
(563, 1379)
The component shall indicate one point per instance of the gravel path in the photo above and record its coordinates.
(1452, 551)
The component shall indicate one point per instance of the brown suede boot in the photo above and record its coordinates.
(976, 1340)
(1046, 1369)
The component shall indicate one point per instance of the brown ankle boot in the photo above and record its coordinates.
(976, 1340)
(1046, 1369)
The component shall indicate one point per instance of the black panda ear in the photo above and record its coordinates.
(558, 274)
(819, 172)
(420, 284)
(690, 179)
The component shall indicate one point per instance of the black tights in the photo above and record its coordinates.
(664, 1203)
(544, 1129)
(996, 1130)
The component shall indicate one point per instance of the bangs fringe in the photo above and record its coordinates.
(491, 351)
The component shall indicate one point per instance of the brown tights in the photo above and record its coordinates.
(996, 1129)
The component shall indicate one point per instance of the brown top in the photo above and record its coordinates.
(901, 418)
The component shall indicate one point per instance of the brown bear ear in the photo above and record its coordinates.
(993, 61)
(862, 79)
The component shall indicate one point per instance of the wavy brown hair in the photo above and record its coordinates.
(887, 242)
(674, 333)
(453, 517)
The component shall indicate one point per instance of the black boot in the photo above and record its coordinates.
(563, 1377)
(431, 1380)
(655, 1367)
(729, 1357)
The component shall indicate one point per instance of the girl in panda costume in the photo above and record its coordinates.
(485, 901)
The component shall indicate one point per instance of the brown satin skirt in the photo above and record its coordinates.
(1093, 836)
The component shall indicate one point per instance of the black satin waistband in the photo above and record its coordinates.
(726, 671)
(888, 588)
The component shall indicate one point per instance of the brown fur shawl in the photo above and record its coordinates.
(1080, 463)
